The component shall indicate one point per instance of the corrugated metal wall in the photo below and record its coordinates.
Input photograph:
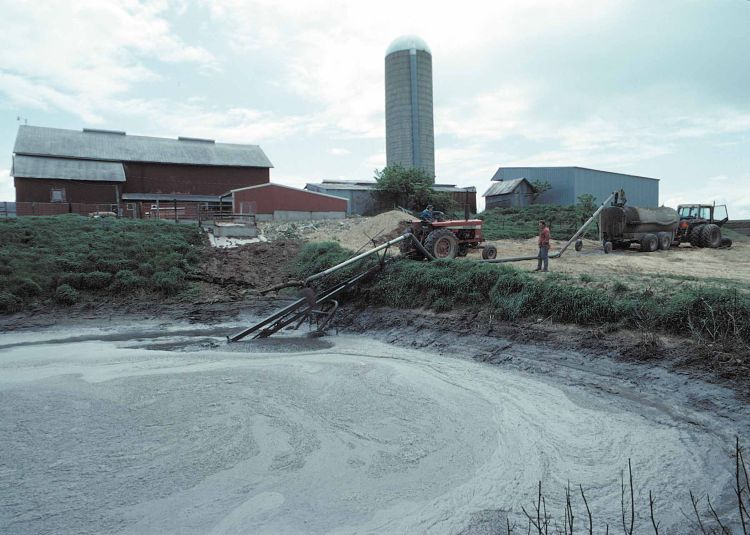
(560, 178)
(568, 183)
(639, 191)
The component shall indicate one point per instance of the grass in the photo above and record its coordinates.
(508, 223)
(68, 259)
(710, 313)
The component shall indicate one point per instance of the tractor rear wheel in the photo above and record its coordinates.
(665, 240)
(711, 236)
(696, 236)
(442, 244)
(649, 243)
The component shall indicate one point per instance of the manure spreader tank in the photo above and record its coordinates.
(650, 228)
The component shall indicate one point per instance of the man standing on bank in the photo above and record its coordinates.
(543, 256)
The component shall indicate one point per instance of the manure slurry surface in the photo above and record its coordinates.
(173, 433)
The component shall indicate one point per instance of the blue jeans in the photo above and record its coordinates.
(543, 258)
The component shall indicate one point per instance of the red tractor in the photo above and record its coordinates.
(700, 225)
(447, 239)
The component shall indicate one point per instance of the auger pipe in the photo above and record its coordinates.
(559, 253)
(354, 259)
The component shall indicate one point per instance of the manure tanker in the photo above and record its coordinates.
(650, 228)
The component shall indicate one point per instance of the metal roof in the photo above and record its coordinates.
(505, 187)
(498, 173)
(166, 197)
(407, 42)
(343, 186)
(117, 146)
(67, 169)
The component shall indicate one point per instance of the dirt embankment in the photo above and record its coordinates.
(478, 335)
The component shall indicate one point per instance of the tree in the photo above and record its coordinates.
(409, 187)
(540, 186)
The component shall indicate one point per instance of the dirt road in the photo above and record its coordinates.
(731, 264)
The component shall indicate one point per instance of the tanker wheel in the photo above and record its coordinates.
(649, 243)
(607, 247)
(711, 236)
(489, 252)
(579, 245)
(442, 244)
(665, 240)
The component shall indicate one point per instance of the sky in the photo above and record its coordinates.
(659, 89)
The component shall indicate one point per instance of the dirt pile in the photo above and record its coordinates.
(351, 233)
(253, 266)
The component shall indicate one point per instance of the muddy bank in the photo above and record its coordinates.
(482, 337)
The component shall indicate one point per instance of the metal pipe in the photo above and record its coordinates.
(354, 259)
(559, 253)
(419, 246)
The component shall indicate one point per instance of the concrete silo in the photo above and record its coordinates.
(409, 129)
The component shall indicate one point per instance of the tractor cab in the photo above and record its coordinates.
(700, 225)
(706, 213)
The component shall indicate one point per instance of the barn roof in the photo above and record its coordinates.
(505, 187)
(119, 147)
(67, 169)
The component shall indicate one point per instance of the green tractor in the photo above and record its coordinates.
(700, 225)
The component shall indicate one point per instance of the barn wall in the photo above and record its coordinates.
(39, 190)
(273, 198)
(190, 179)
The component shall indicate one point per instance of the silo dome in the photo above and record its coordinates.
(408, 42)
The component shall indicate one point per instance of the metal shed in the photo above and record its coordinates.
(569, 183)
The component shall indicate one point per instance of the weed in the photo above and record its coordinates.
(66, 295)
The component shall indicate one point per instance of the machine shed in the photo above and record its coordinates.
(276, 202)
(569, 183)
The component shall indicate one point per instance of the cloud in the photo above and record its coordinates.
(79, 56)
(721, 189)
(337, 151)
(7, 189)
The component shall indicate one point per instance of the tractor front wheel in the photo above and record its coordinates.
(442, 244)
(489, 252)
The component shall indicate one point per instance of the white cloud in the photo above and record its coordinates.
(7, 190)
(734, 191)
(79, 56)
(337, 151)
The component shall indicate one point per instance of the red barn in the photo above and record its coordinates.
(53, 165)
(273, 201)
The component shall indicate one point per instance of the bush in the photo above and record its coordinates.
(24, 287)
(39, 254)
(129, 280)
(169, 282)
(66, 295)
(9, 303)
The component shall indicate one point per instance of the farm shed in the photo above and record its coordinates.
(517, 193)
(569, 183)
(277, 202)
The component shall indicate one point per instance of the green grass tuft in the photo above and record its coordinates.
(94, 257)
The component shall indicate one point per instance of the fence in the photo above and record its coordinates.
(180, 212)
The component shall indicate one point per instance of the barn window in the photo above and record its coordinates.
(130, 207)
(57, 194)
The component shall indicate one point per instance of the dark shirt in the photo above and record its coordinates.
(426, 215)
